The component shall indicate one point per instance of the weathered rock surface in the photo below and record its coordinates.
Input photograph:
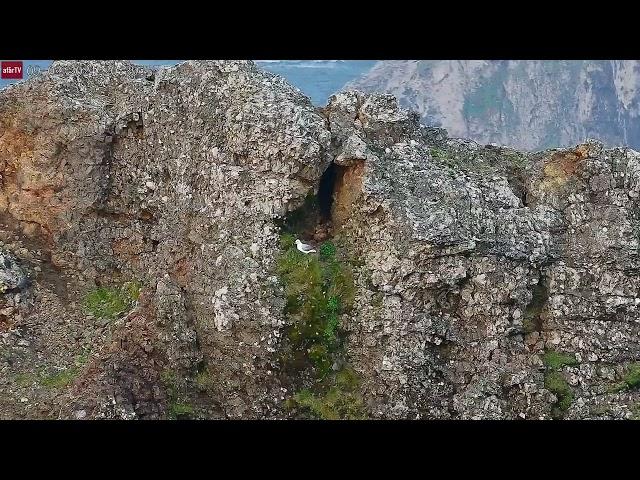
(175, 178)
(478, 260)
(472, 262)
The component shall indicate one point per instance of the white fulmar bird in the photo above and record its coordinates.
(303, 247)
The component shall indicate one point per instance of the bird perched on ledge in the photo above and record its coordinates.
(303, 247)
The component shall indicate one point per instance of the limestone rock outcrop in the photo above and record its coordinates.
(489, 283)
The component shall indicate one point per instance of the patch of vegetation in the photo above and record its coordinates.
(318, 289)
(632, 377)
(516, 159)
(287, 241)
(60, 379)
(630, 380)
(81, 359)
(204, 379)
(179, 410)
(178, 407)
(320, 357)
(340, 401)
(132, 289)
(109, 303)
(327, 251)
(635, 412)
(558, 385)
(556, 360)
(24, 379)
(170, 381)
(555, 382)
(438, 153)
(333, 307)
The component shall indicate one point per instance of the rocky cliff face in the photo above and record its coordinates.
(523, 104)
(454, 281)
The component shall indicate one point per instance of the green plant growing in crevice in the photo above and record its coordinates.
(177, 408)
(340, 401)
(437, 153)
(632, 377)
(630, 380)
(320, 356)
(287, 241)
(327, 251)
(558, 385)
(555, 382)
(556, 360)
(333, 307)
(516, 159)
(204, 379)
(24, 379)
(81, 359)
(59, 379)
(318, 289)
(108, 303)
(132, 290)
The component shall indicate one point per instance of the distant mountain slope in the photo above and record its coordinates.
(521, 103)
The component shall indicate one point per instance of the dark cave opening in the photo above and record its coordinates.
(313, 219)
(325, 192)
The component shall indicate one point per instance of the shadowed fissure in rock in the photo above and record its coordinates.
(318, 290)
(326, 190)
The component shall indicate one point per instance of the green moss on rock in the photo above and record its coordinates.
(558, 385)
(556, 360)
(109, 303)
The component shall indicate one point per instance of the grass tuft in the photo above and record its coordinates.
(558, 385)
(632, 377)
(557, 360)
(630, 381)
(109, 303)
(180, 410)
(178, 407)
(60, 379)
(327, 250)
(341, 401)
